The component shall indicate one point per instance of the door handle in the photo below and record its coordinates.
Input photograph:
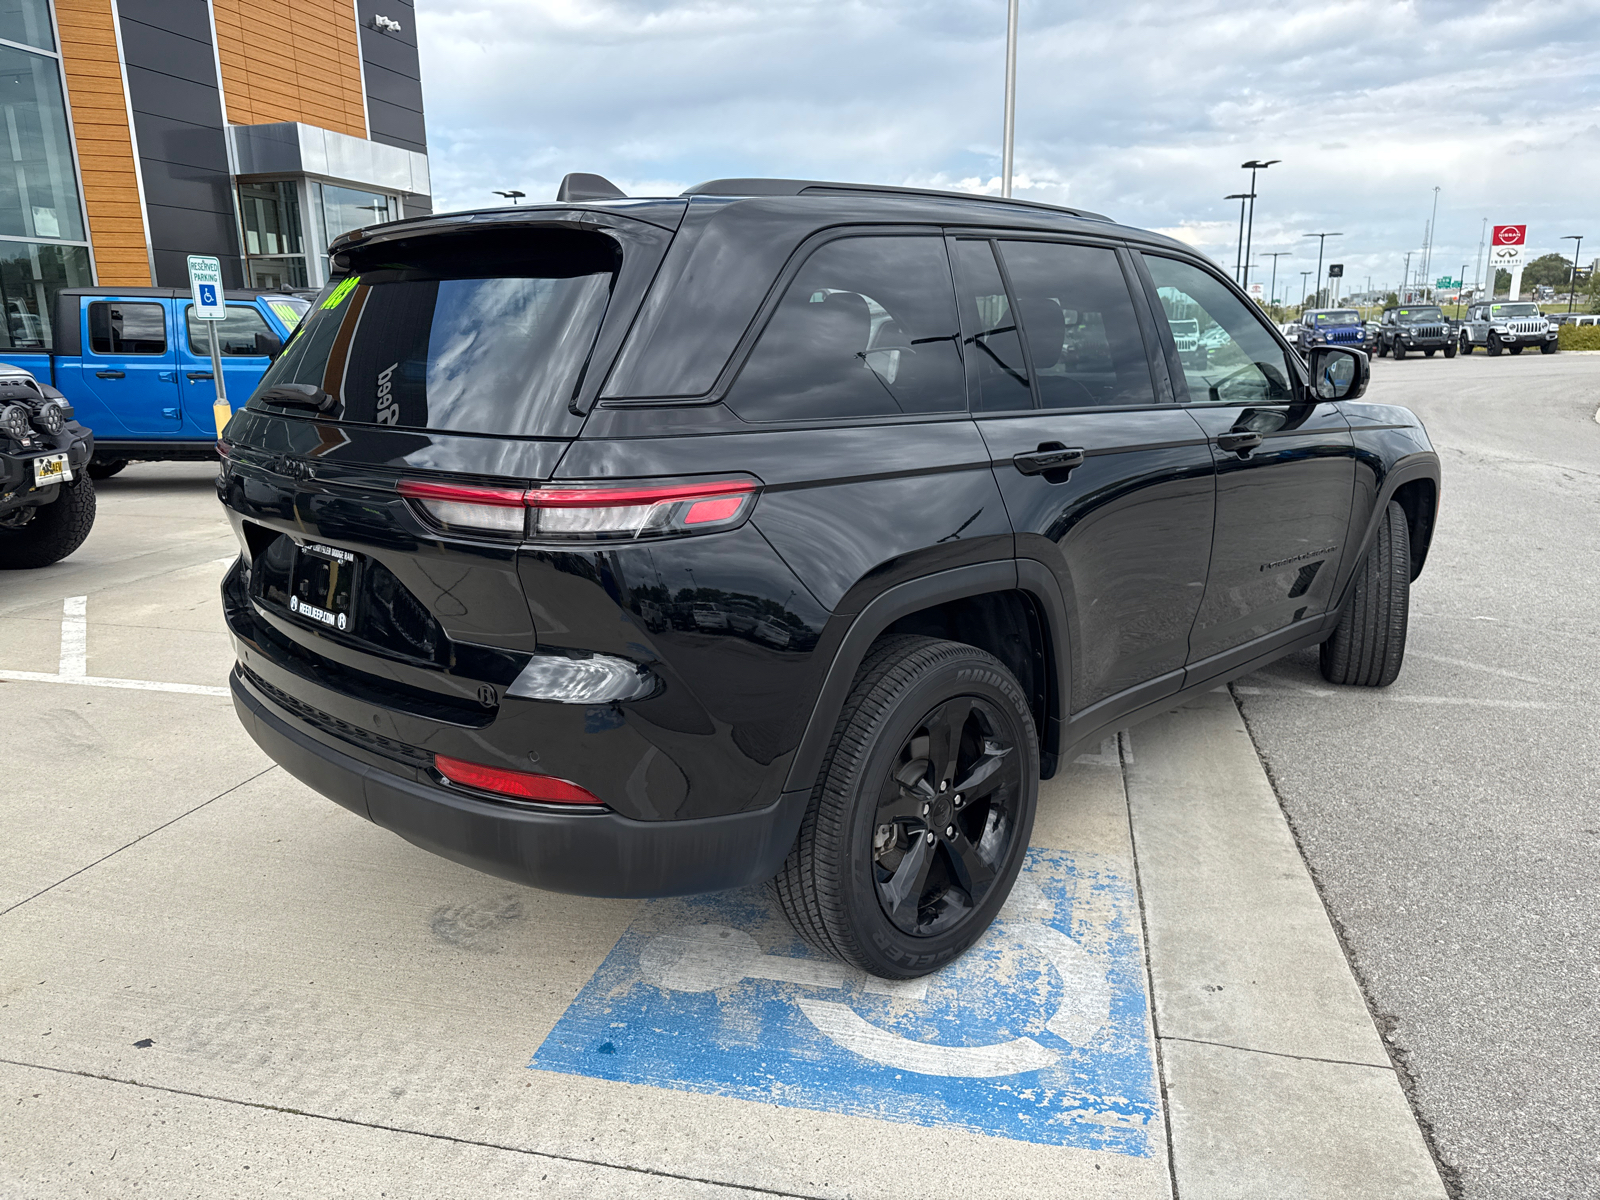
(1055, 458)
(197, 376)
(167, 376)
(110, 374)
(1239, 442)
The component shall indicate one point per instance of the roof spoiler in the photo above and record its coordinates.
(577, 187)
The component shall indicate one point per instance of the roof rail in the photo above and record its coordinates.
(801, 187)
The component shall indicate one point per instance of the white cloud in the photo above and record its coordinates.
(1140, 111)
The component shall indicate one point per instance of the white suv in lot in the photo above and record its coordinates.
(1508, 325)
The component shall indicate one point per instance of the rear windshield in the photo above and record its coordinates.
(469, 335)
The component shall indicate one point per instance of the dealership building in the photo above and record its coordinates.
(139, 132)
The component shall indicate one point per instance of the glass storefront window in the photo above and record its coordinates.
(277, 274)
(271, 217)
(38, 188)
(344, 209)
(31, 273)
(28, 22)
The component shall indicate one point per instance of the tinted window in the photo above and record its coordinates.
(475, 335)
(1236, 361)
(1078, 319)
(994, 346)
(867, 328)
(236, 336)
(116, 328)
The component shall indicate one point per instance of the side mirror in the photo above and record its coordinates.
(269, 344)
(1339, 373)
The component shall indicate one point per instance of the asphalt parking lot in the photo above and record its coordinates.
(215, 982)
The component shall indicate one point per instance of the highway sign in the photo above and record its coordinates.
(1335, 270)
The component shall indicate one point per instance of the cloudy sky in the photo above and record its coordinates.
(1140, 111)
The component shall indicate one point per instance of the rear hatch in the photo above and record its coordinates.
(455, 354)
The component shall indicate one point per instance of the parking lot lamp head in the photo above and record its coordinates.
(513, 195)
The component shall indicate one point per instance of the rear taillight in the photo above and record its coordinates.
(588, 511)
(522, 785)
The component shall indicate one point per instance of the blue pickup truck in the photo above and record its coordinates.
(135, 365)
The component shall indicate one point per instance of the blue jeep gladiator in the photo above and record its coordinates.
(135, 365)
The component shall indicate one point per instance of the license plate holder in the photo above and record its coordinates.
(323, 586)
(51, 468)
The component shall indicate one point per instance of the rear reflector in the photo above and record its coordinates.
(587, 512)
(524, 785)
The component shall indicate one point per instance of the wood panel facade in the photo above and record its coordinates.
(291, 60)
(105, 145)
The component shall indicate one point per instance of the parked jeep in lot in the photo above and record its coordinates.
(1330, 327)
(1415, 327)
(46, 497)
(786, 531)
(1508, 325)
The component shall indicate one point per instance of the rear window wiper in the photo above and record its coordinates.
(298, 395)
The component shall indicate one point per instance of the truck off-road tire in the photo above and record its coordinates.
(921, 816)
(1399, 350)
(1369, 644)
(54, 531)
(1466, 343)
(1493, 344)
(1450, 350)
(105, 470)
(1549, 347)
(1427, 353)
(1380, 350)
(1517, 349)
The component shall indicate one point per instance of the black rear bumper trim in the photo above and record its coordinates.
(583, 853)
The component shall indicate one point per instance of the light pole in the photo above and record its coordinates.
(1322, 240)
(1427, 258)
(1011, 99)
(512, 196)
(1405, 280)
(1272, 291)
(1572, 276)
(1238, 258)
(1461, 286)
(1304, 275)
(1477, 271)
(1252, 166)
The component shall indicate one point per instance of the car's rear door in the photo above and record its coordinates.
(1107, 482)
(129, 367)
(1285, 465)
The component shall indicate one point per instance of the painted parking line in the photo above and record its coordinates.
(1040, 1033)
(74, 663)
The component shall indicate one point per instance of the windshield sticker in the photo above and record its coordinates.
(336, 297)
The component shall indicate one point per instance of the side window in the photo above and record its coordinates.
(236, 335)
(116, 328)
(1077, 316)
(993, 343)
(1236, 361)
(867, 328)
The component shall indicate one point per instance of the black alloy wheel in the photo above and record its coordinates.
(921, 818)
(1466, 343)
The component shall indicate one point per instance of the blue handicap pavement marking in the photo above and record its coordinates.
(1039, 1033)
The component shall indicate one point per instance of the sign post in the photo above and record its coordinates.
(205, 286)
(1505, 254)
(1335, 271)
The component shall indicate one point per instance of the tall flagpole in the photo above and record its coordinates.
(1011, 98)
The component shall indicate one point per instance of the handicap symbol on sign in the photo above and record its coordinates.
(1039, 1032)
(208, 295)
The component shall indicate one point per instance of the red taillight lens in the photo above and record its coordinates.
(524, 785)
(588, 512)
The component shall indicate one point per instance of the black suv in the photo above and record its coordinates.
(654, 546)
(1415, 327)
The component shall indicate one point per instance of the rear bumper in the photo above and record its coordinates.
(584, 853)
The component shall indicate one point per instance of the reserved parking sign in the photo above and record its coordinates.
(205, 283)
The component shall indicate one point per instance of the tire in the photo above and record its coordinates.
(837, 886)
(1369, 644)
(1427, 353)
(1549, 347)
(1493, 344)
(1398, 350)
(1515, 349)
(1450, 350)
(55, 530)
(105, 470)
(1466, 344)
(1380, 351)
